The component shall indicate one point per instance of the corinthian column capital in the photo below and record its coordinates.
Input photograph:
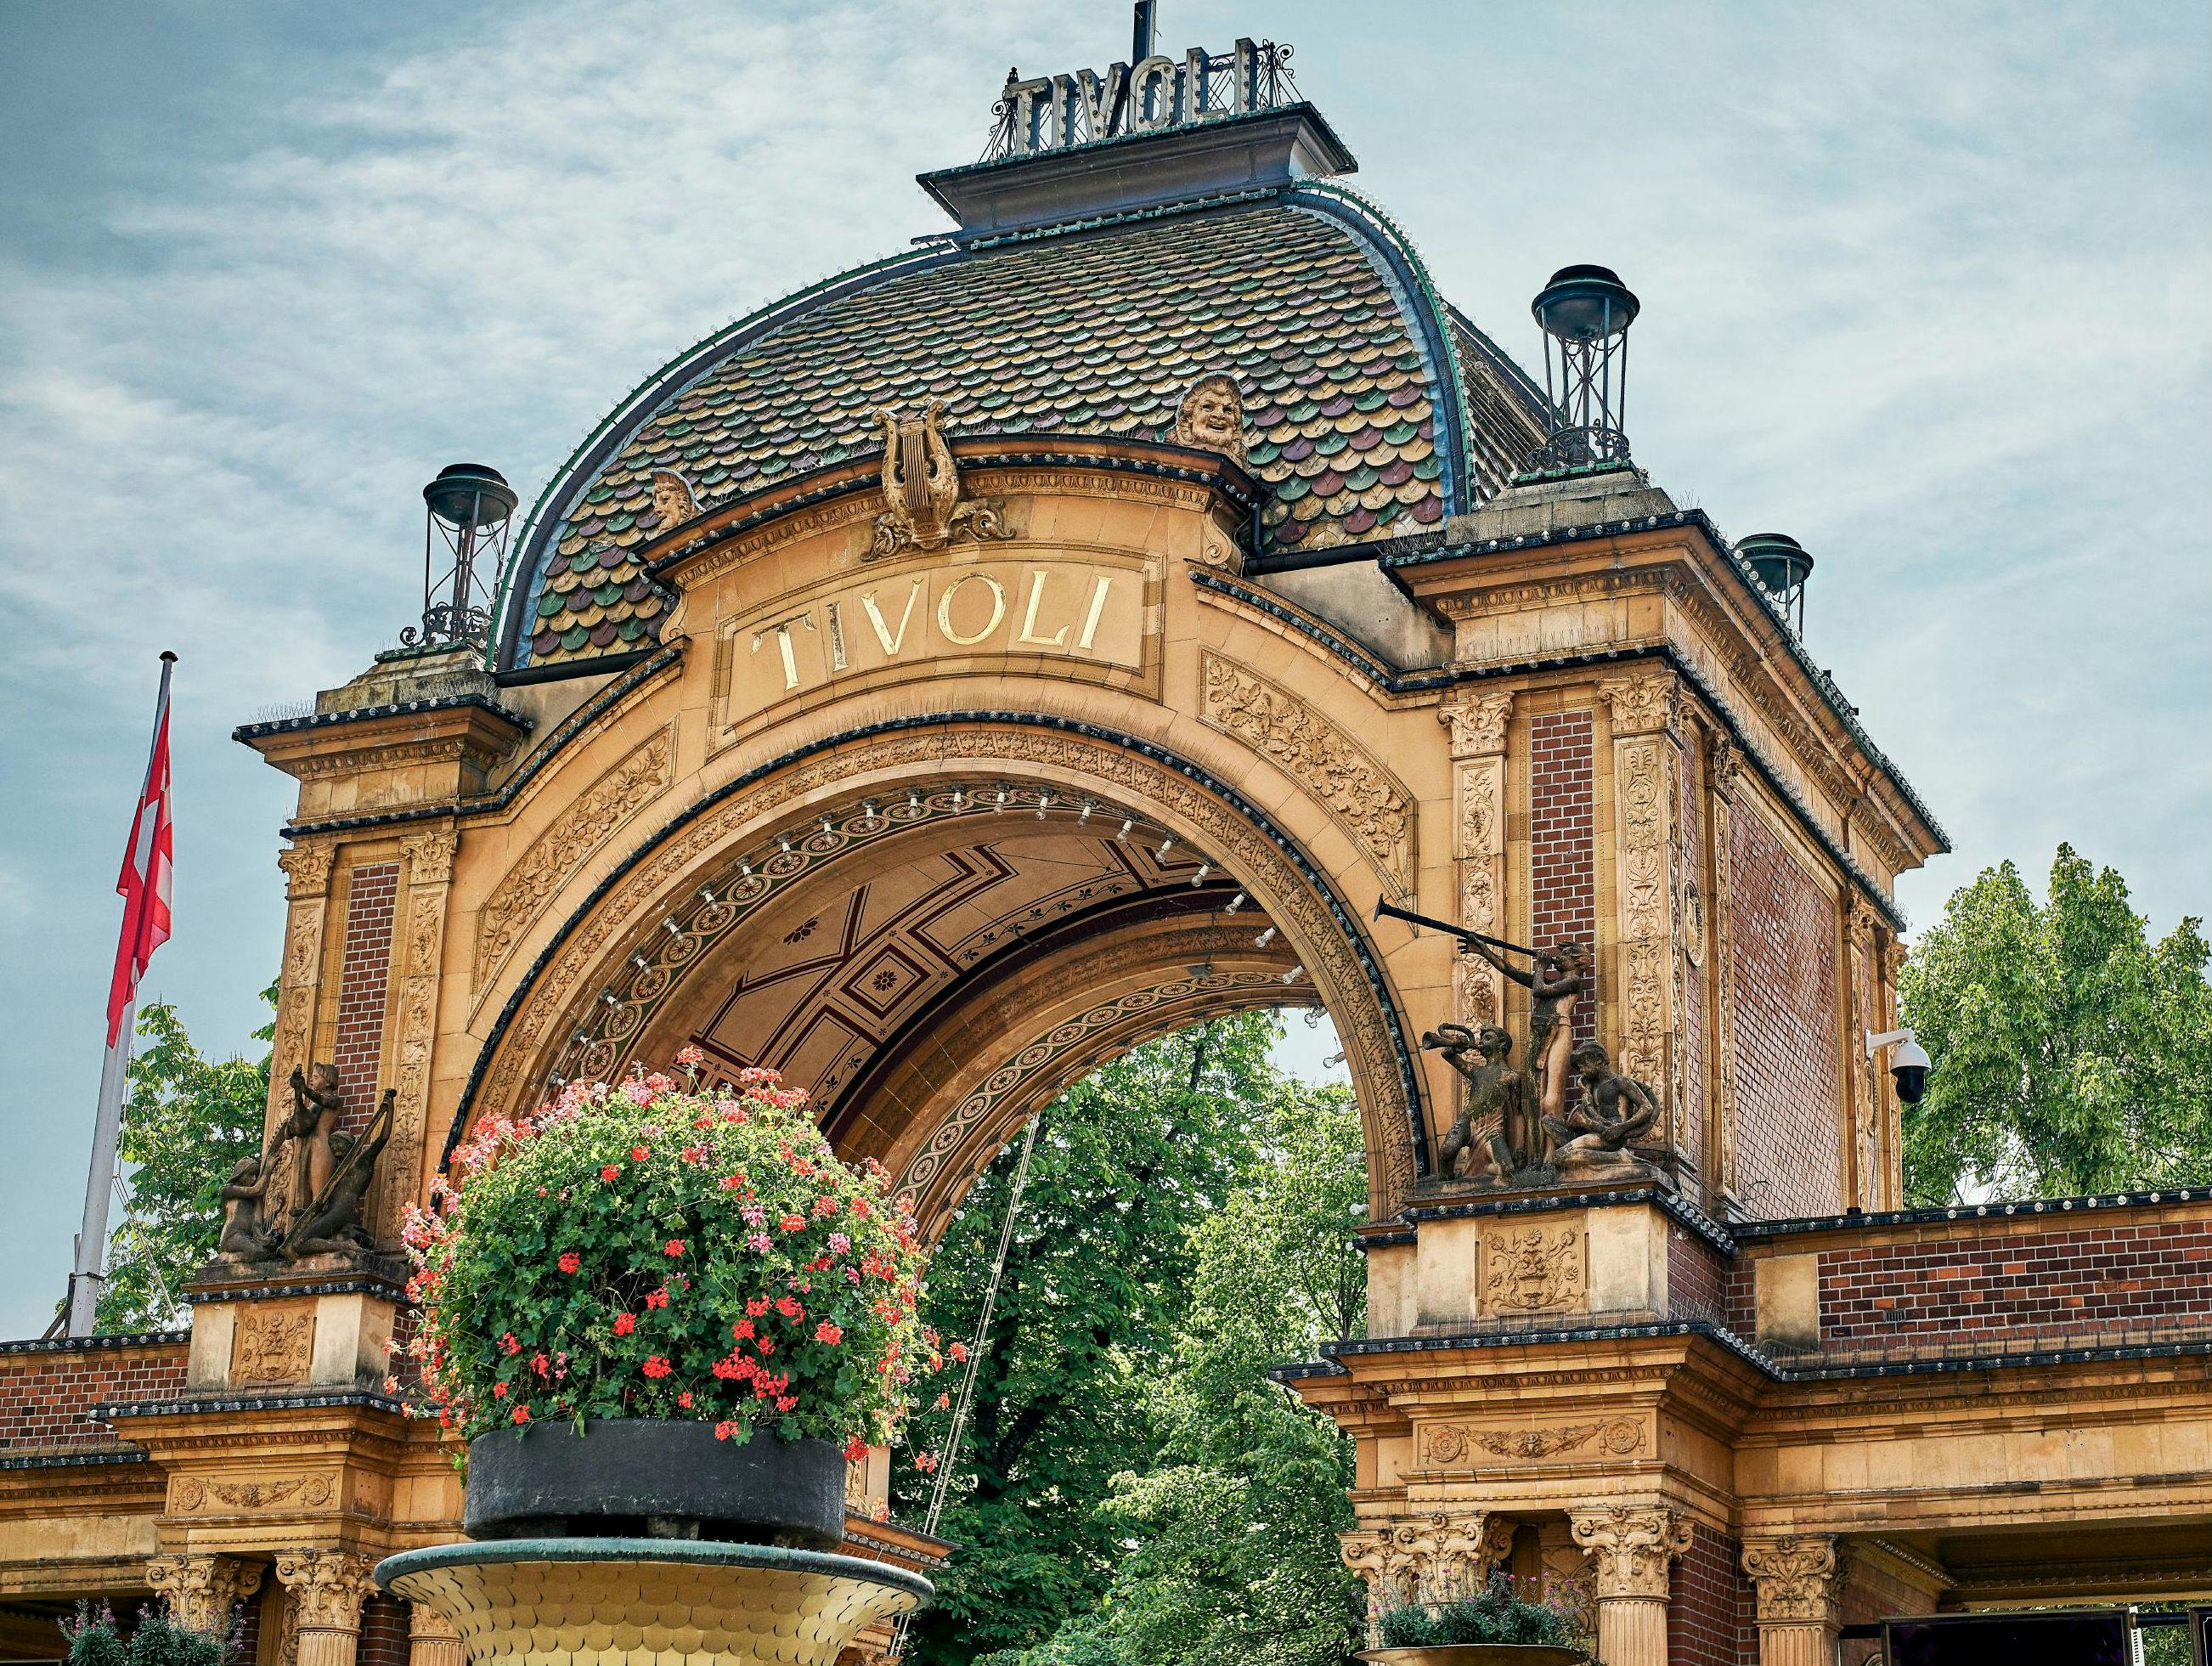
(1631, 1546)
(201, 1590)
(1795, 1578)
(328, 1587)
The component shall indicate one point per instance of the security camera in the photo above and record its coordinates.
(1908, 1066)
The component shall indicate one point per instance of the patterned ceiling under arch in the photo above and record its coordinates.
(840, 971)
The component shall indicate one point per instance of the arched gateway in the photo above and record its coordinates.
(964, 669)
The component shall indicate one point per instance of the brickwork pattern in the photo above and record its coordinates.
(45, 1392)
(364, 979)
(1699, 1285)
(1705, 1610)
(1788, 1082)
(1562, 842)
(384, 1641)
(1984, 1282)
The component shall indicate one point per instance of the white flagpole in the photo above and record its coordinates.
(100, 1184)
(90, 1273)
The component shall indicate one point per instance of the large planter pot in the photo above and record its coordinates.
(653, 1478)
(1478, 1654)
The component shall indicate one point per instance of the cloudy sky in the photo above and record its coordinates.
(1926, 284)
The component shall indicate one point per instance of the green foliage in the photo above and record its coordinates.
(1497, 1615)
(186, 1120)
(1097, 1278)
(643, 1251)
(2073, 1054)
(1222, 1519)
(158, 1641)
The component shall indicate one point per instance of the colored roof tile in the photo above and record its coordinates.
(1098, 333)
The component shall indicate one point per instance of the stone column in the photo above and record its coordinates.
(1477, 751)
(1647, 764)
(1632, 1548)
(422, 928)
(1798, 1614)
(1723, 768)
(431, 1639)
(328, 1587)
(202, 1590)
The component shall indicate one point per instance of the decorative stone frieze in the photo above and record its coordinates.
(201, 1590)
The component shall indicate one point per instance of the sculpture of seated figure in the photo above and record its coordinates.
(1490, 1139)
(244, 1236)
(1594, 1134)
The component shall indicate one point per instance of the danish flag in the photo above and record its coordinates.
(145, 886)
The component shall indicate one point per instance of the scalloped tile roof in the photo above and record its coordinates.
(1097, 334)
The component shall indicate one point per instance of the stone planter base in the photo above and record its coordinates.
(650, 1602)
(1479, 1653)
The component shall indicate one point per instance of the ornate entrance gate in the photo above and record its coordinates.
(988, 659)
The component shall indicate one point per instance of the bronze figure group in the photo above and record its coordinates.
(1517, 1123)
(275, 1210)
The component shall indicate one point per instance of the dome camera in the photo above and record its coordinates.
(1908, 1066)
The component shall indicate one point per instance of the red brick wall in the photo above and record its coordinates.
(1789, 1087)
(1705, 1608)
(1562, 841)
(1982, 1281)
(45, 1388)
(364, 977)
(383, 1632)
(1698, 1277)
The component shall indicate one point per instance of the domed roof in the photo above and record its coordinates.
(1371, 411)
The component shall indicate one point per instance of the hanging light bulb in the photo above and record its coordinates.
(1166, 845)
(1126, 824)
(1235, 903)
(1264, 939)
(1295, 973)
(1198, 878)
(1087, 808)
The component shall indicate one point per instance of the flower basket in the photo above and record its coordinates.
(649, 1308)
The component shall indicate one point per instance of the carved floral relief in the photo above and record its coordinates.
(1531, 1269)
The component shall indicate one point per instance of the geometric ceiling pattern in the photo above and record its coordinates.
(834, 973)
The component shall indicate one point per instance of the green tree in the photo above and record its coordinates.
(1229, 1538)
(186, 1120)
(2073, 1054)
(1097, 1277)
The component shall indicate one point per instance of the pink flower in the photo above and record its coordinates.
(755, 1215)
(760, 1244)
(688, 1056)
(839, 1243)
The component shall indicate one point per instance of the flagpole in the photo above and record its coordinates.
(85, 1282)
(90, 1274)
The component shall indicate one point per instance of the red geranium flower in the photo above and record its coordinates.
(638, 1153)
(757, 1306)
(685, 1400)
(657, 1367)
(610, 1172)
(788, 1306)
(855, 1449)
(522, 1413)
(826, 1332)
(625, 1324)
(657, 1299)
(675, 1246)
(570, 1260)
